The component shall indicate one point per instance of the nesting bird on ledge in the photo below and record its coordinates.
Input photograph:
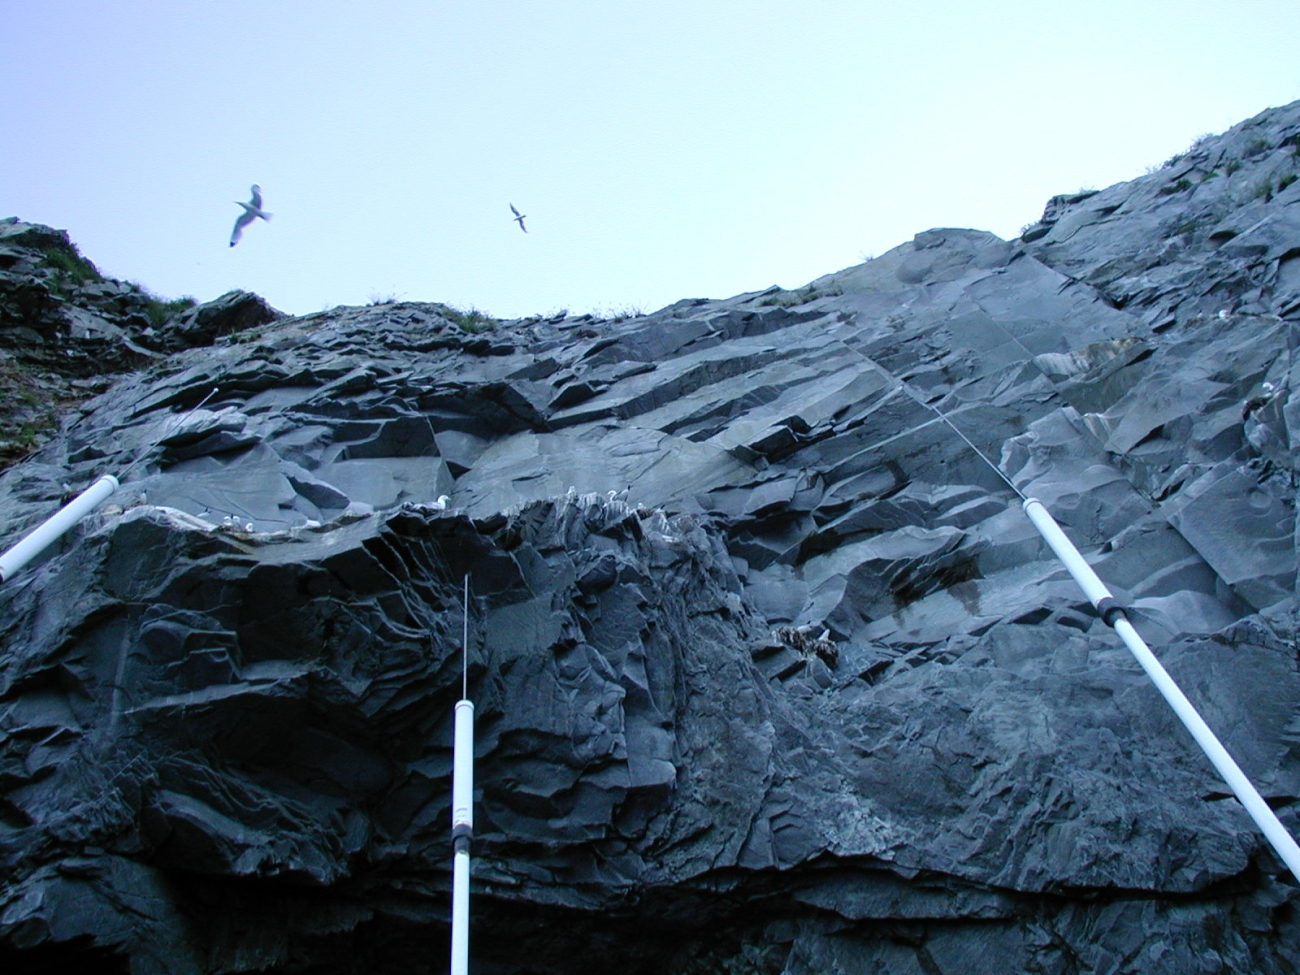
(252, 210)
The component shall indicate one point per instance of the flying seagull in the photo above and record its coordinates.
(252, 209)
(519, 218)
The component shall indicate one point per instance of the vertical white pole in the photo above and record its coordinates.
(1100, 597)
(462, 813)
(462, 820)
(54, 526)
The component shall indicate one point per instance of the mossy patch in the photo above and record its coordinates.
(473, 320)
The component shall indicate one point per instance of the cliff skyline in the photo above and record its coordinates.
(772, 674)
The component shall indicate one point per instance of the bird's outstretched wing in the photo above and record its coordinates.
(252, 210)
(242, 221)
(513, 210)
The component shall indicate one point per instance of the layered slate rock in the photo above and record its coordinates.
(771, 672)
(66, 330)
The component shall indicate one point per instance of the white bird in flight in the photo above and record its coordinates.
(519, 218)
(252, 210)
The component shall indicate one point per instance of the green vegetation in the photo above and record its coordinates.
(1231, 166)
(472, 321)
(29, 411)
(247, 336)
(1264, 191)
(67, 263)
(161, 311)
(617, 314)
(29, 434)
(1285, 181)
(1256, 146)
(1180, 186)
(1198, 145)
(68, 269)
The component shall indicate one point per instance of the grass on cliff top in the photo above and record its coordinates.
(68, 269)
(67, 261)
(472, 321)
(621, 313)
(161, 310)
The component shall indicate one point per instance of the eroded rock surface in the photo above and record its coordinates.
(67, 331)
(771, 672)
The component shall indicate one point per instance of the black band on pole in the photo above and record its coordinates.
(462, 830)
(460, 844)
(1110, 610)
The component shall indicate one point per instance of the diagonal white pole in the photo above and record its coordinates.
(462, 813)
(53, 527)
(1113, 614)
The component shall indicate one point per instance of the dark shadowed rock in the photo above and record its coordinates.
(771, 672)
(234, 311)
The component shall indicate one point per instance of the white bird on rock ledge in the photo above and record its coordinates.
(252, 210)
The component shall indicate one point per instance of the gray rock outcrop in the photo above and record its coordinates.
(66, 330)
(771, 673)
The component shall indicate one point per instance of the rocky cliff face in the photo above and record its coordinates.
(771, 672)
(66, 331)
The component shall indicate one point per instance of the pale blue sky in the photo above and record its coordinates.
(661, 150)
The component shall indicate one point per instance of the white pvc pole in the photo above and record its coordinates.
(56, 525)
(462, 807)
(460, 914)
(1092, 587)
(462, 831)
(1101, 597)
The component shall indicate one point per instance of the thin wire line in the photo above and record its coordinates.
(996, 470)
(906, 388)
(179, 420)
(464, 671)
